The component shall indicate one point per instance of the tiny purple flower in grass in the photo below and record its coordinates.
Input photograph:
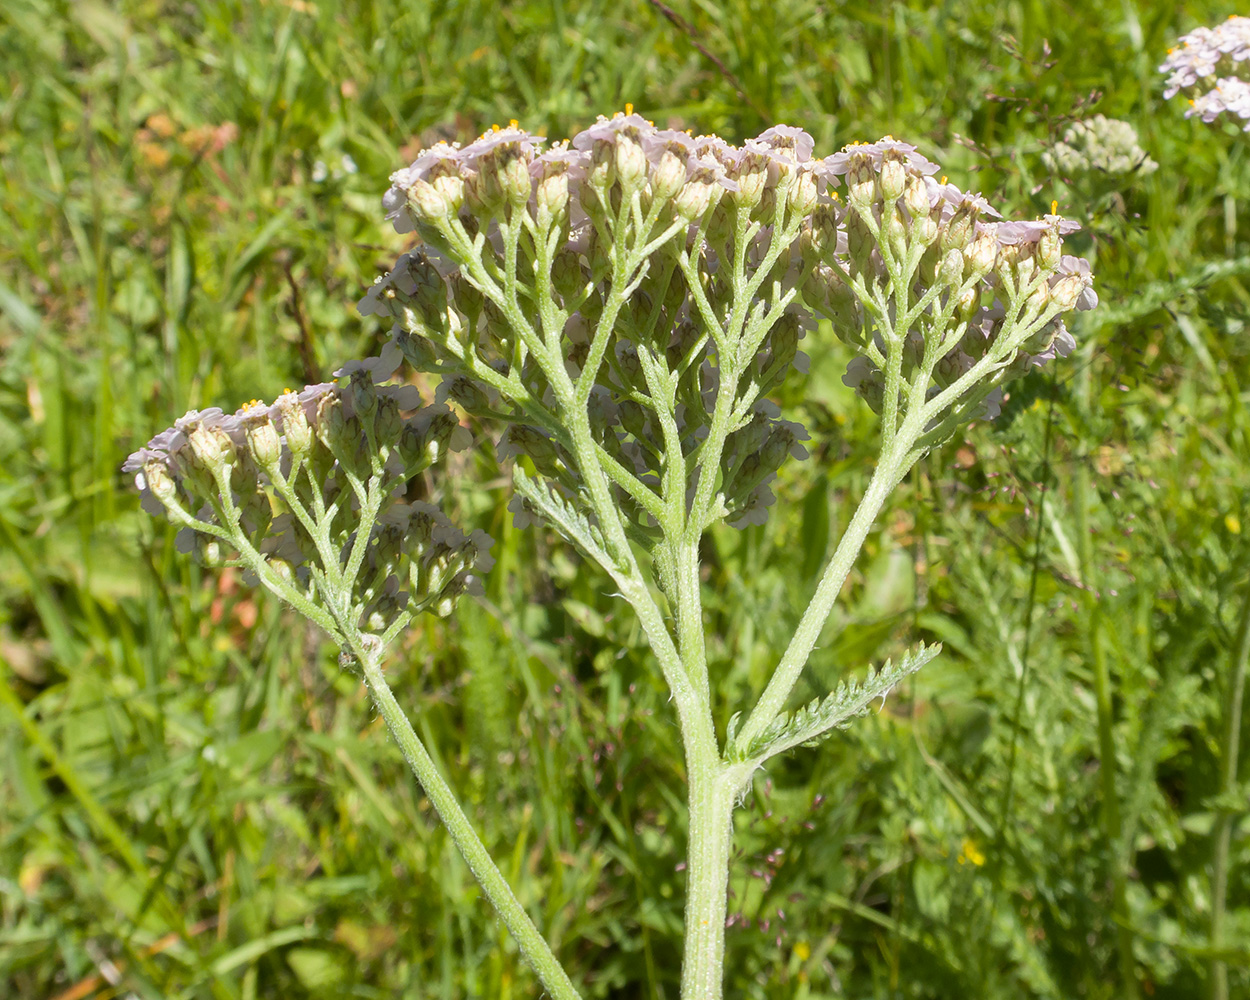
(1211, 66)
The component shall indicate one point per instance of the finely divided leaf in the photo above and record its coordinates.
(571, 523)
(809, 724)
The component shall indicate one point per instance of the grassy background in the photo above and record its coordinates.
(196, 802)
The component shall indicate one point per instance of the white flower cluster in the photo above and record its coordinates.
(1210, 66)
(289, 479)
(709, 215)
(970, 263)
(1104, 147)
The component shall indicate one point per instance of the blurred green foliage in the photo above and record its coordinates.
(195, 801)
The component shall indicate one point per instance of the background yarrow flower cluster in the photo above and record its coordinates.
(614, 312)
(1105, 147)
(1209, 66)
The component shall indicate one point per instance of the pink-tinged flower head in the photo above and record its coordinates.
(1230, 94)
(607, 129)
(708, 169)
(950, 198)
(1211, 66)
(840, 163)
(1079, 267)
(440, 159)
(558, 159)
(497, 147)
(725, 153)
(790, 139)
(1030, 231)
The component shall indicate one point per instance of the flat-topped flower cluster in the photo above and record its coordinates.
(652, 276)
(1211, 66)
(313, 485)
(616, 310)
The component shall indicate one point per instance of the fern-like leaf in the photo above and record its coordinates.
(807, 725)
(561, 515)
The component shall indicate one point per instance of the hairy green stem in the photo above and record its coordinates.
(713, 788)
(528, 938)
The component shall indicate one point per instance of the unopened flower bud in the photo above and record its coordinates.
(893, 176)
(896, 232)
(468, 395)
(1040, 339)
(447, 181)
(602, 172)
(157, 479)
(263, 441)
(482, 191)
(388, 544)
(1048, 250)
(968, 303)
(861, 181)
(427, 202)
(959, 230)
(1065, 292)
(332, 424)
(1026, 264)
(1039, 298)
(514, 180)
(212, 447)
(981, 254)
(631, 164)
(364, 394)
(532, 442)
(295, 426)
(751, 176)
(859, 240)
(210, 552)
(776, 448)
(567, 275)
(467, 297)
(952, 269)
(925, 230)
(553, 192)
(803, 192)
(916, 197)
(676, 293)
(694, 199)
(785, 341)
(633, 419)
(387, 423)
(631, 366)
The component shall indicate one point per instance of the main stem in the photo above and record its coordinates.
(713, 787)
(1228, 781)
(532, 944)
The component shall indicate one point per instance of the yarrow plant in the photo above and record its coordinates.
(620, 307)
(1209, 66)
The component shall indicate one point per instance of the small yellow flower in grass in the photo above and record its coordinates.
(1233, 523)
(970, 853)
(802, 951)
